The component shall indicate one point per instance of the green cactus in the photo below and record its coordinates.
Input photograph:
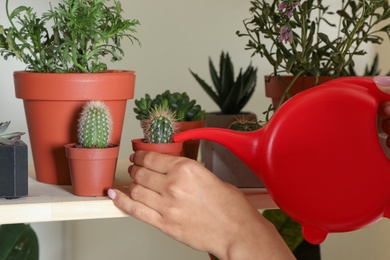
(11, 138)
(160, 126)
(243, 124)
(179, 103)
(95, 125)
(229, 94)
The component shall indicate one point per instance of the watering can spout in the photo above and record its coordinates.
(243, 144)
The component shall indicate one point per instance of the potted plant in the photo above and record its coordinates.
(159, 128)
(13, 161)
(189, 115)
(18, 241)
(231, 95)
(92, 161)
(288, 33)
(63, 50)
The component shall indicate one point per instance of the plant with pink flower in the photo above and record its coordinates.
(315, 37)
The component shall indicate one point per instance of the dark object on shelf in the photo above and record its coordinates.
(14, 170)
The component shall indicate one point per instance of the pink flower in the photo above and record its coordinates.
(285, 34)
(288, 7)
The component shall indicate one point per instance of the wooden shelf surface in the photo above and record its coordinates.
(47, 202)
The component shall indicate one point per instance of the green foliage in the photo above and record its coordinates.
(18, 241)
(95, 125)
(243, 124)
(290, 230)
(293, 42)
(184, 108)
(10, 138)
(83, 32)
(160, 126)
(229, 94)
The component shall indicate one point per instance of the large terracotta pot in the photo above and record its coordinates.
(92, 170)
(174, 149)
(52, 102)
(274, 87)
(190, 147)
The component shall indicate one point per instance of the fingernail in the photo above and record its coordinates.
(111, 194)
(383, 81)
(132, 157)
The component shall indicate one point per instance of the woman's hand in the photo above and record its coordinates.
(187, 202)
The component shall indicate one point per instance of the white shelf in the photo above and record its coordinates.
(47, 202)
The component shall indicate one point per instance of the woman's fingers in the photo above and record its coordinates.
(154, 161)
(134, 208)
(147, 178)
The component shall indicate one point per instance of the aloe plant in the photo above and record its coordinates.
(10, 138)
(184, 108)
(229, 94)
(95, 125)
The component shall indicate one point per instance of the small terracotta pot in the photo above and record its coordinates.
(274, 88)
(174, 149)
(190, 147)
(92, 170)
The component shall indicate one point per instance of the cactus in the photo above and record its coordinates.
(160, 126)
(11, 138)
(179, 103)
(95, 125)
(243, 124)
(229, 94)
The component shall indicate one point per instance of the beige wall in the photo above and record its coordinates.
(176, 35)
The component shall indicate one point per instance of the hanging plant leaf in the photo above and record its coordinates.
(18, 241)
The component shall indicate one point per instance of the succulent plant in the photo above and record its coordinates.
(229, 94)
(160, 126)
(369, 71)
(243, 124)
(179, 103)
(95, 125)
(11, 138)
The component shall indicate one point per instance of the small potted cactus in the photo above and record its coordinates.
(189, 115)
(14, 164)
(92, 161)
(159, 128)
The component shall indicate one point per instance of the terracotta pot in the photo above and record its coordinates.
(52, 102)
(170, 148)
(191, 147)
(92, 170)
(274, 88)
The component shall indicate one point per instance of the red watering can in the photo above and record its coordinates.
(319, 157)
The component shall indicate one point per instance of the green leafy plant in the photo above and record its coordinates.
(10, 138)
(230, 94)
(291, 34)
(18, 241)
(160, 126)
(82, 32)
(298, 46)
(184, 108)
(95, 125)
